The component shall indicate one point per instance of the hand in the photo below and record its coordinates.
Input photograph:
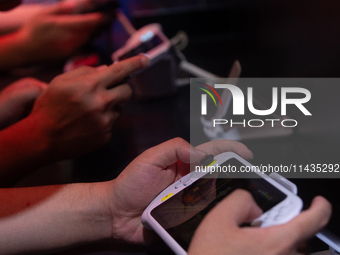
(151, 172)
(17, 99)
(76, 112)
(56, 32)
(82, 213)
(220, 231)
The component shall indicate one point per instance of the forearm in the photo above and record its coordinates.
(53, 217)
(23, 147)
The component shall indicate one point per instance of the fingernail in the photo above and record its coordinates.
(196, 155)
(200, 152)
(145, 61)
(251, 154)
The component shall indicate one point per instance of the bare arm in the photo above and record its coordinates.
(23, 148)
(50, 217)
(72, 116)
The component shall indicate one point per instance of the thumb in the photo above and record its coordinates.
(240, 207)
(308, 222)
(64, 7)
(171, 151)
(237, 208)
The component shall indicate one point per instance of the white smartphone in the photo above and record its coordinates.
(149, 39)
(177, 211)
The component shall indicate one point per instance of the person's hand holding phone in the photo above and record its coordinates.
(149, 174)
(220, 231)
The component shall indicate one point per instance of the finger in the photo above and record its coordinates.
(307, 223)
(109, 119)
(32, 93)
(220, 146)
(81, 6)
(80, 71)
(79, 22)
(237, 208)
(170, 152)
(101, 68)
(28, 86)
(64, 7)
(30, 81)
(118, 71)
(118, 95)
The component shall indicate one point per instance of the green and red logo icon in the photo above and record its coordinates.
(204, 97)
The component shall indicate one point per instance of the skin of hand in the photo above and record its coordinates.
(17, 99)
(73, 115)
(81, 213)
(78, 109)
(52, 217)
(150, 173)
(220, 231)
(12, 20)
(56, 32)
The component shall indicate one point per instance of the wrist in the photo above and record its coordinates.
(96, 218)
(125, 223)
(62, 216)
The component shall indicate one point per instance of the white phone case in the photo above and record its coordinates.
(279, 214)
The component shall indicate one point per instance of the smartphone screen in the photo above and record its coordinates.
(181, 214)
